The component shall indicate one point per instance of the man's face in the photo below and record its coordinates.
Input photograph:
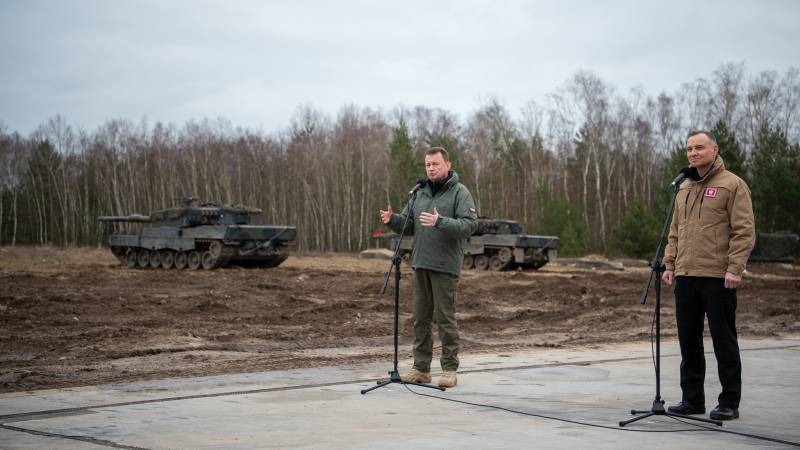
(701, 152)
(436, 167)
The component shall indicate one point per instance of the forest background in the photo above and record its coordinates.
(587, 164)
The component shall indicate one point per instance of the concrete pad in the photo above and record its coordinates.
(323, 407)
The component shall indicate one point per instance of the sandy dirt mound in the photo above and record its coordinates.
(71, 317)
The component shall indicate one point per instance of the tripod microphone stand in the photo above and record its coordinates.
(657, 270)
(394, 374)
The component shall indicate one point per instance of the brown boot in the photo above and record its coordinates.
(415, 376)
(448, 379)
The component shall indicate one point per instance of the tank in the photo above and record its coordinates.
(783, 247)
(199, 236)
(497, 245)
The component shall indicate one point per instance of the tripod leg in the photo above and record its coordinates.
(380, 384)
(643, 416)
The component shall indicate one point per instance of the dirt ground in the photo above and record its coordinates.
(73, 317)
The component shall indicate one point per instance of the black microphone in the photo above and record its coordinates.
(420, 184)
(685, 172)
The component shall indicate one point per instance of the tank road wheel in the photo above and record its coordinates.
(481, 262)
(215, 249)
(155, 259)
(469, 262)
(167, 259)
(143, 258)
(215, 256)
(193, 260)
(207, 260)
(180, 260)
(505, 255)
(130, 258)
(496, 264)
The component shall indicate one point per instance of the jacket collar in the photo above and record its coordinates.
(716, 167)
(452, 180)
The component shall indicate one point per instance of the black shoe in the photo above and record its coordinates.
(685, 408)
(723, 413)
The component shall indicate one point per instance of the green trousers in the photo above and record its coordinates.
(435, 297)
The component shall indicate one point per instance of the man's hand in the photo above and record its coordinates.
(732, 281)
(386, 216)
(668, 276)
(428, 219)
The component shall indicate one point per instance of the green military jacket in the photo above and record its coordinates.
(441, 247)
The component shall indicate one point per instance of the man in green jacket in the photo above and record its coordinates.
(442, 220)
(710, 238)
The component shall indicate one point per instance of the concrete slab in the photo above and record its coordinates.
(323, 407)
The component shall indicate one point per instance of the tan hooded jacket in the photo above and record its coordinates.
(712, 229)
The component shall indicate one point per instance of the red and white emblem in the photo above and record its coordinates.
(711, 193)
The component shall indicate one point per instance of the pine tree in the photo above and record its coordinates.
(405, 169)
(638, 233)
(562, 219)
(776, 184)
(730, 150)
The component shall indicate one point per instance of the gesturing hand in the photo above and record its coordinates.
(428, 219)
(386, 216)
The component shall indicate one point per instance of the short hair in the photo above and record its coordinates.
(435, 150)
(707, 133)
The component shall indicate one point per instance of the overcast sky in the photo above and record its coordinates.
(255, 62)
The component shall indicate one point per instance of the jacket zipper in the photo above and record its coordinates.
(686, 204)
(702, 197)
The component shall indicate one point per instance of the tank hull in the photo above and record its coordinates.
(499, 252)
(214, 246)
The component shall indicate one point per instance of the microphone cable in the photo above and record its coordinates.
(699, 425)
(697, 428)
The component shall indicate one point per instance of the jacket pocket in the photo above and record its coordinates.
(713, 210)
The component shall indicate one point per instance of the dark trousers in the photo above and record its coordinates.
(695, 298)
(435, 298)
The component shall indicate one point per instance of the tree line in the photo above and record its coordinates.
(588, 164)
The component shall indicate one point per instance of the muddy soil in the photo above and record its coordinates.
(73, 317)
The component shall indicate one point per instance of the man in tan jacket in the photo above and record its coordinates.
(710, 238)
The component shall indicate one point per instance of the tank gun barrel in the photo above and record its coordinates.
(130, 218)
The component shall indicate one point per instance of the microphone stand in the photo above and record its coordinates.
(394, 374)
(657, 270)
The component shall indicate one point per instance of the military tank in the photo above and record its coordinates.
(195, 236)
(781, 247)
(497, 245)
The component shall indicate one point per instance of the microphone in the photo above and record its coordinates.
(685, 172)
(420, 184)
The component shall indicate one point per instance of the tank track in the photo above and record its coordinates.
(494, 259)
(210, 254)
